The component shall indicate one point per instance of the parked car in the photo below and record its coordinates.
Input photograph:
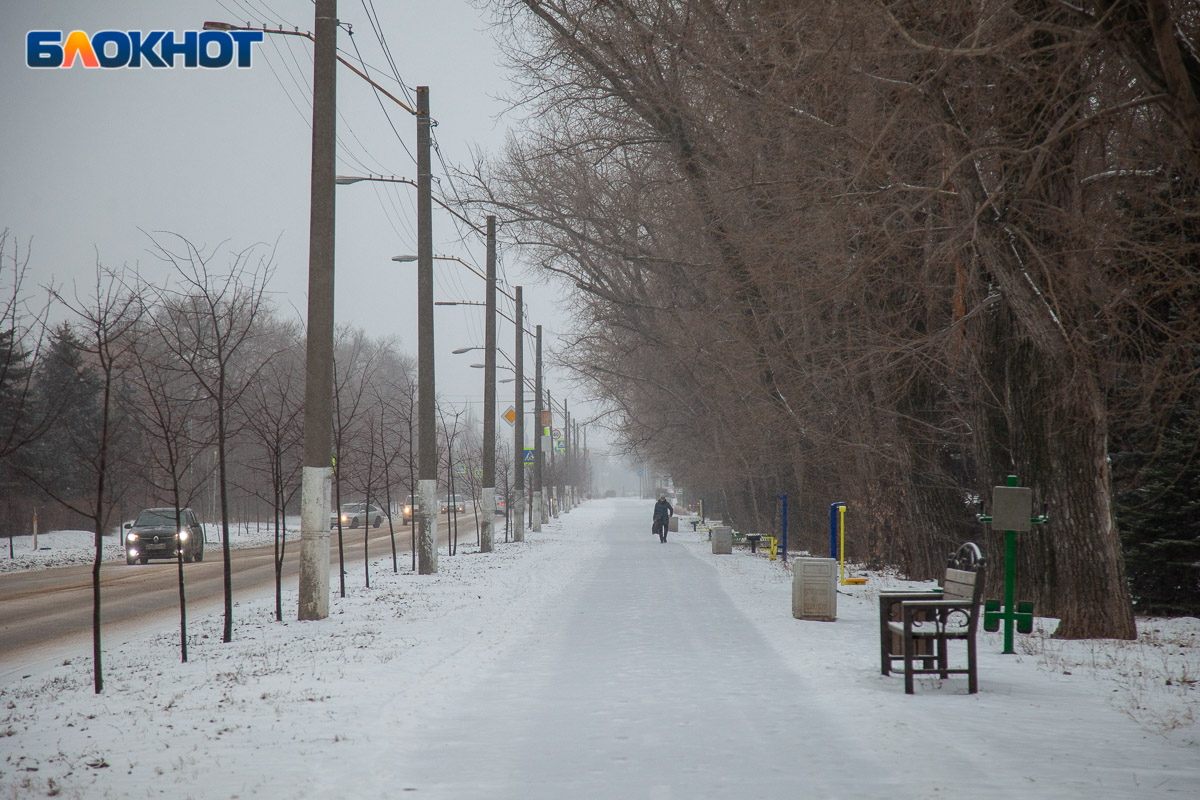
(412, 505)
(500, 504)
(153, 534)
(456, 502)
(355, 514)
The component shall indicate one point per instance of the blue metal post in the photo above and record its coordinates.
(833, 527)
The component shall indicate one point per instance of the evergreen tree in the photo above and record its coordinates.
(14, 376)
(1159, 518)
(15, 428)
(67, 391)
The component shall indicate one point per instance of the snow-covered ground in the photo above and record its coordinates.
(65, 548)
(593, 661)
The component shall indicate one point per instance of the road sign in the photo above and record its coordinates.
(478, 472)
(510, 416)
(556, 433)
(560, 445)
(529, 453)
(461, 469)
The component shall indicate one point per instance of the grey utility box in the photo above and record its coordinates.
(722, 539)
(814, 588)
(673, 524)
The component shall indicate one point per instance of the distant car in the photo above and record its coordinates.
(355, 514)
(500, 504)
(153, 534)
(412, 505)
(456, 502)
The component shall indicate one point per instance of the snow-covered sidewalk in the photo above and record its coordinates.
(593, 661)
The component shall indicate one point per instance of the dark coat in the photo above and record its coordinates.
(663, 510)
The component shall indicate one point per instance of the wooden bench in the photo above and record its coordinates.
(928, 621)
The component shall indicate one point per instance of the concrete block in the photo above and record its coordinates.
(722, 539)
(673, 524)
(814, 588)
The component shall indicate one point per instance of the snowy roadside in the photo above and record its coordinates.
(68, 548)
(280, 694)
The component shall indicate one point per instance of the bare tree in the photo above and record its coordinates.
(272, 409)
(450, 435)
(106, 320)
(170, 404)
(931, 244)
(206, 319)
(354, 361)
(22, 420)
(393, 396)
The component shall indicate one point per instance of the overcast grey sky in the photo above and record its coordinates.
(90, 156)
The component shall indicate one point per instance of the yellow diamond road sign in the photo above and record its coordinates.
(510, 416)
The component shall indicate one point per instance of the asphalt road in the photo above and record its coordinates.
(52, 608)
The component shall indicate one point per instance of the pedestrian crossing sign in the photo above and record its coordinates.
(529, 451)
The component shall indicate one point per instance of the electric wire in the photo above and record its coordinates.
(397, 218)
(382, 107)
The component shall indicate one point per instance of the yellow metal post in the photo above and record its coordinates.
(842, 544)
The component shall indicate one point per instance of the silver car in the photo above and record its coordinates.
(355, 514)
(456, 502)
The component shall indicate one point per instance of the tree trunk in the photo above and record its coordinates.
(1088, 584)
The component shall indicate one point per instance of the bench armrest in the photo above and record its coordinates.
(915, 594)
(935, 604)
(940, 613)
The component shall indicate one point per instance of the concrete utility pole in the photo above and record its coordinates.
(538, 427)
(554, 500)
(489, 396)
(316, 476)
(518, 502)
(566, 480)
(427, 550)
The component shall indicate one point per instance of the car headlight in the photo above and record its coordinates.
(183, 536)
(131, 538)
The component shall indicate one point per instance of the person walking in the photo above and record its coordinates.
(662, 513)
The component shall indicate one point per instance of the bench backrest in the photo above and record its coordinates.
(963, 584)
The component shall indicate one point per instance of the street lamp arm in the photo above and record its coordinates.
(475, 303)
(346, 179)
(226, 26)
